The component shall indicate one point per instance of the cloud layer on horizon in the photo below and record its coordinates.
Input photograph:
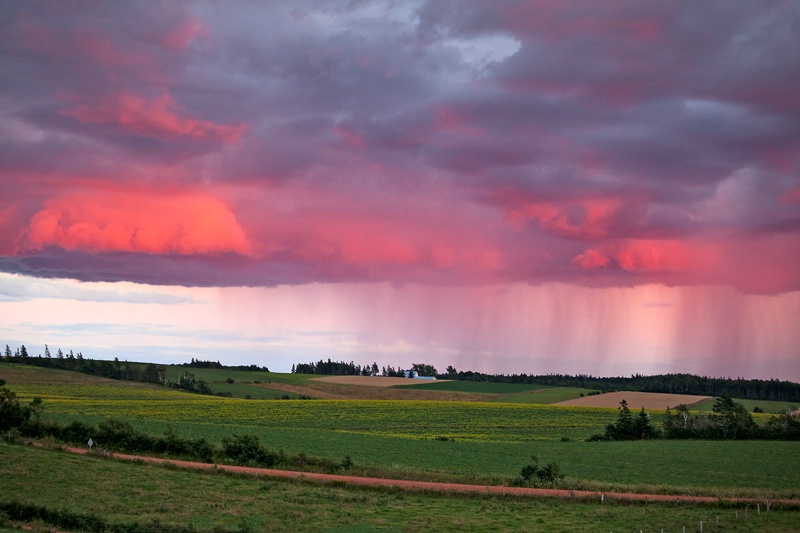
(431, 142)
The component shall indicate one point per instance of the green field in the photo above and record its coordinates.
(505, 392)
(487, 441)
(126, 492)
(212, 375)
(765, 405)
(546, 396)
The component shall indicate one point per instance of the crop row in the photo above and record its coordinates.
(408, 419)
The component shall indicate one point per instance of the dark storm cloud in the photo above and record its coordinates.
(439, 141)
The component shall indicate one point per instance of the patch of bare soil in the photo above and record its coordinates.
(373, 381)
(636, 400)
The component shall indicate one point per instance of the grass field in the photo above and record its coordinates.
(212, 375)
(545, 396)
(492, 441)
(765, 405)
(505, 392)
(206, 501)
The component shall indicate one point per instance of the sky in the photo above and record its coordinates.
(507, 187)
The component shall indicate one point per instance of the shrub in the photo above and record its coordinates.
(247, 450)
(539, 475)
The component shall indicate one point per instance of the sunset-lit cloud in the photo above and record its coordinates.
(126, 221)
(157, 117)
(428, 144)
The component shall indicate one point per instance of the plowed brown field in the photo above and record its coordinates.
(636, 400)
(372, 381)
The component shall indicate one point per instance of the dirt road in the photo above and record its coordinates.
(447, 487)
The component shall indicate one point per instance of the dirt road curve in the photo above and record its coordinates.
(443, 487)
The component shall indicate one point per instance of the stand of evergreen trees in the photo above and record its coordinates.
(729, 420)
(341, 368)
(197, 363)
(116, 369)
(335, 368)
(122, 370)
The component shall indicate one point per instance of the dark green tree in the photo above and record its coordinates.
(624, 428)
(13, 414)
(644, 426)
(732, 419)
(424, 369)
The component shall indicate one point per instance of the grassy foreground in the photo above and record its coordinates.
(127, 492)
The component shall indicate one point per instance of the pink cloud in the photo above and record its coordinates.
(158, 118)
(377, 232)
(586, 218)
(791, 196)
(181, 36)
(652, 256)
(591, 259)
(136, 221)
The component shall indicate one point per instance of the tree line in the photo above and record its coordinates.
(751, 389)
(116, 369)
(342, 368)
(728, 420)
(216, 365)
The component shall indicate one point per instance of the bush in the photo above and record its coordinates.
(534, 474)
(247, 450)
(347, 463)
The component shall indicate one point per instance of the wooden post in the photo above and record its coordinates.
(745, 514)
(759, 508)
(737, 516)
